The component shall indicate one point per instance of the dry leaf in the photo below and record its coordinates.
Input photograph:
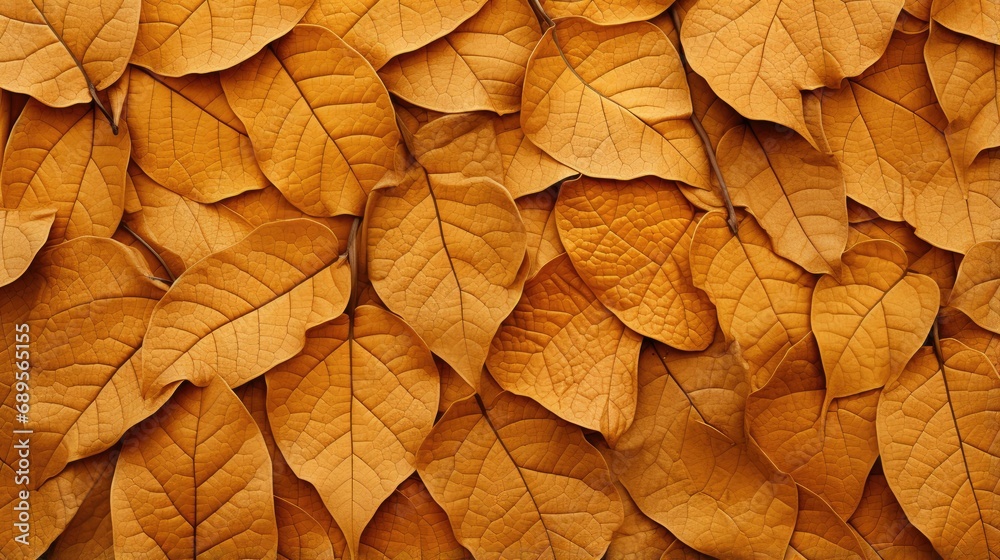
(882, 524)
(763, 301)
(268, 205)
(202, 36)
(70, 160)
(199, 148)
(820, 533)
(760, 56)
(795, 192)
(612, 102)
(89, 534)
(537, 213)
(410, 525)
(300, 100)
(300, 537)
(937, 430)
(566, 351)
(870, 317)
(130, 240)
(449, 258)
(22, 235)
(976, 287)
(350, 411)
(478, 66)
(196, 481)
(62, 52)
(969, 17)
(241, 311)
(955, 324)
(710, 491)
(630, 243)
(828, 451)
(382, 29)
(518, 482)
(606, 12)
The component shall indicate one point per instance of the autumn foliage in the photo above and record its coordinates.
(555, 279)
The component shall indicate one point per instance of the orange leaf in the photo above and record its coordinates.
(268, 205)
(882, 524)
(955, 324)
(606, 12)
(518, 482)
(612, 102)
(629, 241)
(239, 312)
(300, 537)
(22, 235)
(969, 17)
(567, 352)
(350, 411)
(537, 213)
(196, 480)
(89, 534)
(449, 258)
(820, 533)
(300, 99)
(937, 430)
(977, 284)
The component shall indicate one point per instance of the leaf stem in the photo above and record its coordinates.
(151, 250)
(543, 18)
(100, 106)
(352, 259)
(713, 162)
(936, 337)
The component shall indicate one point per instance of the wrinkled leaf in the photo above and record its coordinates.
(22, 235)
(975, 292)
(882, 524)
(969, 17)
(820, 533)
(300, 537)
(539, 217)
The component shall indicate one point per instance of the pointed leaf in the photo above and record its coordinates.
(241, 311)
(976, 288)
(955, 324)
(22, 235)
(612, 102)
(566, 351)
(300, 99)
(969, 17)
(882, 524)
(268, 205)
(89, 534)
(539, 217)
(300, 537)
(820, 533)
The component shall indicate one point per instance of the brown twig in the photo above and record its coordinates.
(543, 18)
(151, 250)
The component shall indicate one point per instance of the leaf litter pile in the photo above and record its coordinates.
(316, 279)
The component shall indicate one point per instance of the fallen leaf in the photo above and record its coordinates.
(763, 300)
(795, 192)
(711, 492)
(70, 160)
(129, 240)
(518, 482)
(22, 235)
(203, 36)
(612, 102)
(350, 411)
(300, 537)
(828, 451)
(760, 56)
(62, 52)
(457, 147)
(955, 324)
(969, 17)
(630, 243)
(937, 430)
(882, 524)
(300, 99)
(605, 12)
(820, 533)
(870, 317)
(196, 480)
(449, 258)
(381, 29)
(198, 148)
(477, 67)
(89, 534)
(563, 349)
(537, 213)
(453, 387)
(239, 312)
(410, 525)
(268, 205)
(975, 292)
(983, 203)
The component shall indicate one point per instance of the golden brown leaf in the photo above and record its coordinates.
(937, 430)
(457, 147)
(199, 36)
(537, 213)
(89, 534)
(382, 29)
(449, 258)
(350, 411)
(976, 287)
(710, 491)
(612, 102)
(300, 100)
(955, 324)
(300, 537)
(62, 52)
(763, 301)
(67, 159)
(199, 148)
(795, 192)
(923, 258)
(240, 311)
(181, 230)
(410, 525)
(606, 12)
(130, 240)
(563, 349)
(882, 524)
(86, 303)
(518, 482)
(969, 17)
(22, 235)
(196, 481)
(820, 533)
(827, 451)
(630, 243)
(478, 66)
(453, 387)
(760, 56)
(870, 317)
(268, 205)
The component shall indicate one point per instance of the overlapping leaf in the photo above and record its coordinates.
(976, 289)
(410, 525)
(821, 533)
(539, 217)
(22, 235)
(881, 523)
(978, 19)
